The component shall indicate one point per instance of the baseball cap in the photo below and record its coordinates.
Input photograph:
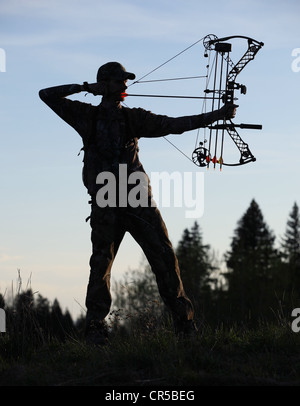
(113, 70)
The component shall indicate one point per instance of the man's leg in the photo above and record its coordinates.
(148, 228)
(106, 237)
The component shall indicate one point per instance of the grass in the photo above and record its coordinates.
(148, 353)
(266, 356)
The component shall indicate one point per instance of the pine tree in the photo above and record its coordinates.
(251, 264)
(2, 301)
(195, 266)
(57, 324)
(42, 308)
(290, 246)
(291, 240)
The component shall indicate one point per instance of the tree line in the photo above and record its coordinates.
(256, 281)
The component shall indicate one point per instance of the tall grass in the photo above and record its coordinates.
(28, 326)
(149, 353)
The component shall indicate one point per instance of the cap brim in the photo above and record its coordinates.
(129, 75)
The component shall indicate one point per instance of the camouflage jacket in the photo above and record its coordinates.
(110, 134)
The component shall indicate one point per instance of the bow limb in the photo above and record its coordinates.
(246, 155)
(254, 46)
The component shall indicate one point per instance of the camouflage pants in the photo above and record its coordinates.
(145, 224)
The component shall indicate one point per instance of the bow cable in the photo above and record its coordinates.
(164, 63)
(169, 79)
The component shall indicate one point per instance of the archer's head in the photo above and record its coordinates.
(113, 78)
(113, 71)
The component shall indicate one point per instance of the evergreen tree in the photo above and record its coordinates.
(195, 266)
(43, 310)
(290, 246)
(252, 264)
(69, 326)
(2, 301)
(58, 327)
(291, 240)
(23, 322)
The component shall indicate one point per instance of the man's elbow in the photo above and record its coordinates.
(42, 95)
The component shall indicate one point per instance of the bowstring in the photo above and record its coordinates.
(169, 79)
(214, 69)
(204, 105)
(224, 120)
(219, 105)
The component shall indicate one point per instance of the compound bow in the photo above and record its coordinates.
(203, 156)
(225, 93)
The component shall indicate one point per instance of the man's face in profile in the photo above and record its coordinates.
(116, 89)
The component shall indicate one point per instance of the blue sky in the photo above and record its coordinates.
(43, 202)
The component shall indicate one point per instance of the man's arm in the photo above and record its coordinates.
(56, 95)
(224, 113)
(146, 124)
(71, 111)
